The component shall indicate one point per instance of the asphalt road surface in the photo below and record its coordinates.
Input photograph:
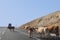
(6, 34)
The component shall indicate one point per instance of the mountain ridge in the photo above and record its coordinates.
(52, 18)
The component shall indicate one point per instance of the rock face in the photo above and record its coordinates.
(50, 19)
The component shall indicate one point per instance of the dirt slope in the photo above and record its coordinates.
(53, 18)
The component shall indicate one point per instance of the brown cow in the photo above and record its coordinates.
(42, 31)
(49, 29)
(53, 29)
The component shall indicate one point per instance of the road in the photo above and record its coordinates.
(6, 34)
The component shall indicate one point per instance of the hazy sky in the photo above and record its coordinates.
(19, 12)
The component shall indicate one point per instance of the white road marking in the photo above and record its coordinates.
(3, 32)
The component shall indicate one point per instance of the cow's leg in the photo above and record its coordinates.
(13, 29)
(9, 28)
(57, 31)
(40, 35)
(30, 34)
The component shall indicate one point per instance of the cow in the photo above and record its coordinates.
(53, 29)
(10, 27)
(48, 29)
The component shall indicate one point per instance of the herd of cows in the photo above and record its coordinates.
(45, 29)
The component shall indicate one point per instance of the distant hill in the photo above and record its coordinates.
(50, 19)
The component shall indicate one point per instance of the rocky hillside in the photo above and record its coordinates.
(50, 19)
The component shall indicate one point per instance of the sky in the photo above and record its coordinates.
(19, 12)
